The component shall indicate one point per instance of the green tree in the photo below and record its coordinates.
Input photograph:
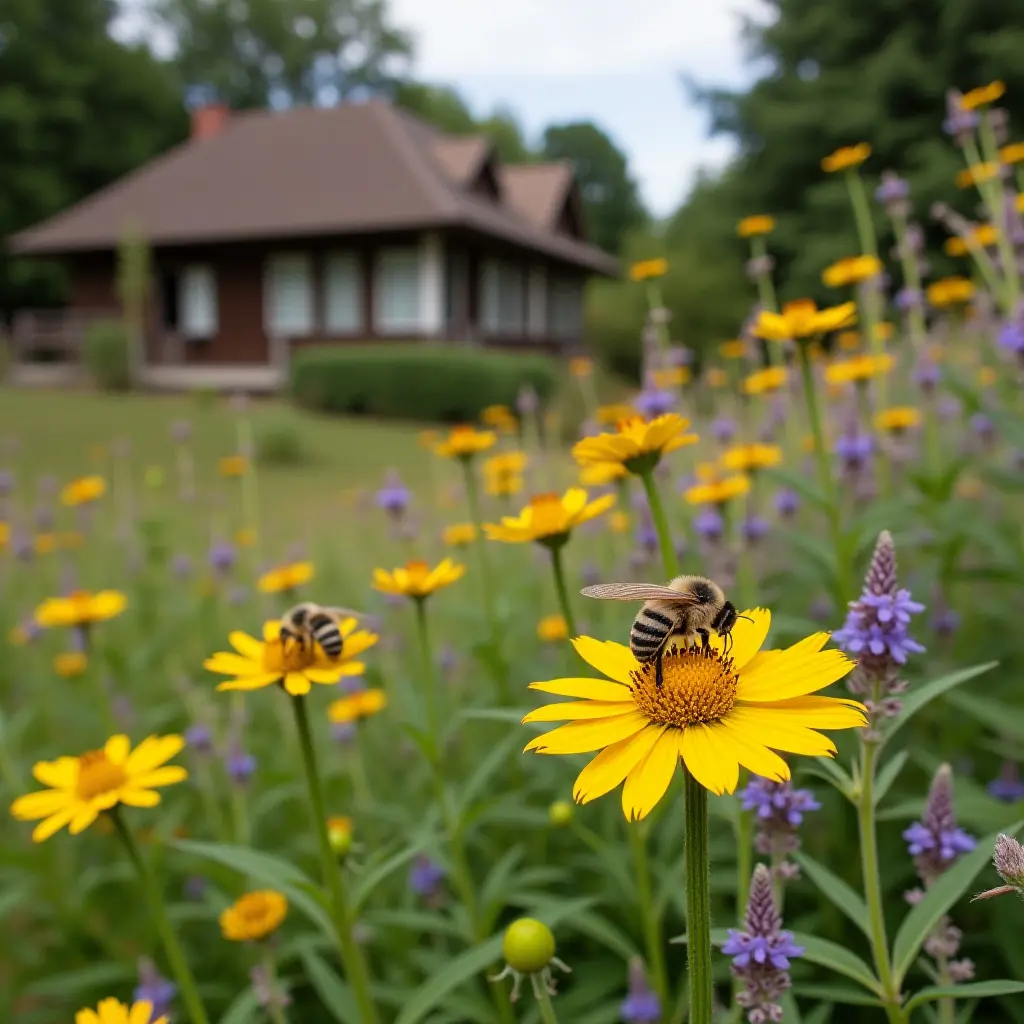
(506, 134)
(77, 110)
(289, 51)
(611, 202)
(839, 72)
(441, 105)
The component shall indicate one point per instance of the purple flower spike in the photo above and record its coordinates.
(653, 402)
(222, 557)
(642, 1005)
(240, 767)
(394, 496)
(893, 192)
(935, 841)
(787, 502)
(723, 429)
(199, 738)
(779, 811)
(155, 989)
(755, 528)
(426, 877)
(709, 524)
(1008, 786)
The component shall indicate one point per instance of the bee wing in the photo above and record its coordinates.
(635, 592)
(343, 613)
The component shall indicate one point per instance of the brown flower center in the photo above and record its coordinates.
(290, 656)
(97, 775)
(698, 685)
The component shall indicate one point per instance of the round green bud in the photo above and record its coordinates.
(528, 946)
(560, 813)
(154, 477)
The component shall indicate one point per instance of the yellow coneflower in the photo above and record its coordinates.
(81, 608)
(802, 319)
(977, 174)
(358, 705)
(233, 465)
(83, 787)
(82, 491)
(715, 712)
(950, 291)
(735, 349)
(638, 444)
(552, 629)
(618, 522)
(982, 96)
(113, 1011)
(614, 413)
(259, 663)
(1012, 153)
(716, 377)
(254, 916)
(417, 579)
(602, 473)
(982, 235)
(848, 341)
(70, 664)
(581, 366)
(285, 577)
(846, 157)
(503, 474)
(859, 368)
(851, 270)
(897, 419)
(759, 224)
(463, 442)
(671, 377)
(549, 518)
(459, 535)
(500, 417)
(747, 458)
(42, 543)
(763, 382)
(718, 490)
(246, 537)
(647, 269)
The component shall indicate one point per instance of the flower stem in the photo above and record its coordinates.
(766, 292)
(175, 956)
(544, 1004)
(275, 1007)
(862, 212)
(744, 869)
(563, 593)
(648, 912)
(429, 685)
(473, 497)
(698, 899)
(351, 955)
(668, 552)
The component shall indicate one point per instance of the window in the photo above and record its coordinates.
(564, 308)
(502, 298)
(397, 295)
(197, 301)
(288, 296)
(343, 294)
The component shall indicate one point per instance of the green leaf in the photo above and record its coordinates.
(887, 776)
(919, 696)
(499, 756)
(833, 773)
(333, 992)
(97, 978)
(837, 994)
(821, 1014)
(944, 892)
(833, 888)
(969, 990)
(368, 882)
(514, 715)
(596, 927)
(803, 485)
(244, 1009)
(1000, 718)
(837, 958)
(265, 869)
(790, 1011)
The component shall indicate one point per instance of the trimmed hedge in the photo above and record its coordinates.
(417, 381)
(107, 355)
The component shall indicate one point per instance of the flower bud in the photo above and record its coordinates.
(528, 946)
(560, 813)
(1009, 860)
(339, 833)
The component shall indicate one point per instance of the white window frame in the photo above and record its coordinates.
(289, 309)
(198, 313)
(387, 318)
(343, 293)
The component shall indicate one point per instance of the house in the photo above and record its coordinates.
(272, 230)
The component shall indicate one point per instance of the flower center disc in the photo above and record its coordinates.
(698, 685)
(98, 775)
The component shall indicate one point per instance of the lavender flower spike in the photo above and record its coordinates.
(779, 811)
(154, 988)
(935, 842)
(761, 952)
(642, 1005)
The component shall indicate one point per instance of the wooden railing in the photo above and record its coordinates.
(52, 335)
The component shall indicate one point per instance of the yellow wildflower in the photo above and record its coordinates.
(759, 224)
(846, 157)
(1012, 153)
(950, 291)
(581, 366)
(646, 269)
(463, 442)
(600, 474)
(82, 491)
(42, 543)
(500, 417)
(716, 377)
(718, 491)
(549, 518)
(552, 628)
(763, 382)
(638, 444)
(671, 377)
(735, 349)
(986, 376)
(113, 1011)
(459, 535)
(339, 834)
(246, 537)
(802, 319)
(70, 664)
(857, 369)
(233, 465)
(851, 270)
(618, 522)
(982, 96)
(977, 174)
(417, 579)
(503, 474)
(897, 419)
(615, 413)
(361, 704)
(254, 916)
(81, 608)
(746, 458)
(285, 578)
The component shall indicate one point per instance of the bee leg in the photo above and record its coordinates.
(705, 638)
(658, 675)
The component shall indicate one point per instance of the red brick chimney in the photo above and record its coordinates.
(209, 120)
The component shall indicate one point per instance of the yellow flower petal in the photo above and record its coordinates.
(321, 675)
(296, 684)
(746, 637)
(141, 1012)
(647, 782)
(762, 722)
(140, 797)
(703, 757)
(583, 737)
(60, 774)
(53, 824)
(83, 817)
(248, 646)
(572, 710)
(226, 663)
(250, 682)
(613, 764)
(792, 675)
(165, 776)
(38, 805)
(87, 1017)
(117, 748)
(152, 752)
(591, 689)
(822, 712)
(615, 660)
(750, 752)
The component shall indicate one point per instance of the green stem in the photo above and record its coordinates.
(547, 1009)
(175, 956)
(473, 497)
(668, 552)
(351, 955)
(912, 280)
(766, 292)
(649, 918)
(1001, 218)
(698, 899)
(429, 685)
(563, 593)
(654, 301)
(862, 212)
(250, 492)
(275, 1007)
(946, 1007)
(744, 869)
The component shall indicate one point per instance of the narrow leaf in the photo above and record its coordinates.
(836, 958)
(969, 990)
(244, 1009)
(887, 776)
(367, 883)
(837, 994)
(333, 992)
(833, 888)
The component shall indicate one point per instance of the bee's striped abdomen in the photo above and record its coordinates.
(326, 633)
(647, 637)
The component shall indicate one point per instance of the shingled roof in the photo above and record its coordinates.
(311, 171)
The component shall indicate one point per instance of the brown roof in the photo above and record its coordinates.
(311, 171)
(537, 191)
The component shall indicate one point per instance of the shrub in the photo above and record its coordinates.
(280, 442)
(107, 355)
(417, 381)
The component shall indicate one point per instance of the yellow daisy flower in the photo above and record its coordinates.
(256, 664)
(113, 1011)
(70, 664)
(82, 787)
(500, 417)
(254, 916)
(5, 534)
(982, 96)
(646, 269)
(42, 543)
(246, 537)
(898, 418)
(233, 465)
(1012, 153)
(355, 706)
(581, 366)
(846, 157)
(858, 369)
(716, 377)
(618, 522)
(503, 474)
(802, 319)
(759, 224)
(83, 490)
(600, 474)
(459, 535)
(982, 236)
(977, 174)
(743, 458)
(464, 442)
(81, 608)
(614, 413)
(671, 377)
(763, 382)
(285, 577)
(549, 518)
(717, 713)
(735, 349)
(417, 579)
(950, 291)
(851, 270)
(638, 444)
(848, 341)
(552, 629)
(717, 491)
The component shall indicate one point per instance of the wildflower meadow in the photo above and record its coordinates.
(501, 801)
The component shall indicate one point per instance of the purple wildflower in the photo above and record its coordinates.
(959, 123)
(927, 375)
(22, 546)
(709, 524)
(779, 811)
(642, 1005)
(343, 732)
(723, 429)
(1011, 334)
(907, 299)
(1007, 785)
(935, 841)
(155, 989)
(394, 496)
(761, 953)
(425, 878)
(983, 426)
(240, 767)
(199, 738)
(786, 502)
(653, 402)
(646, 535)
(893, 192)
(195, 887)
(945, 622)
(755, 528)
(181, 431)
(854, 450)
(222, 557)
